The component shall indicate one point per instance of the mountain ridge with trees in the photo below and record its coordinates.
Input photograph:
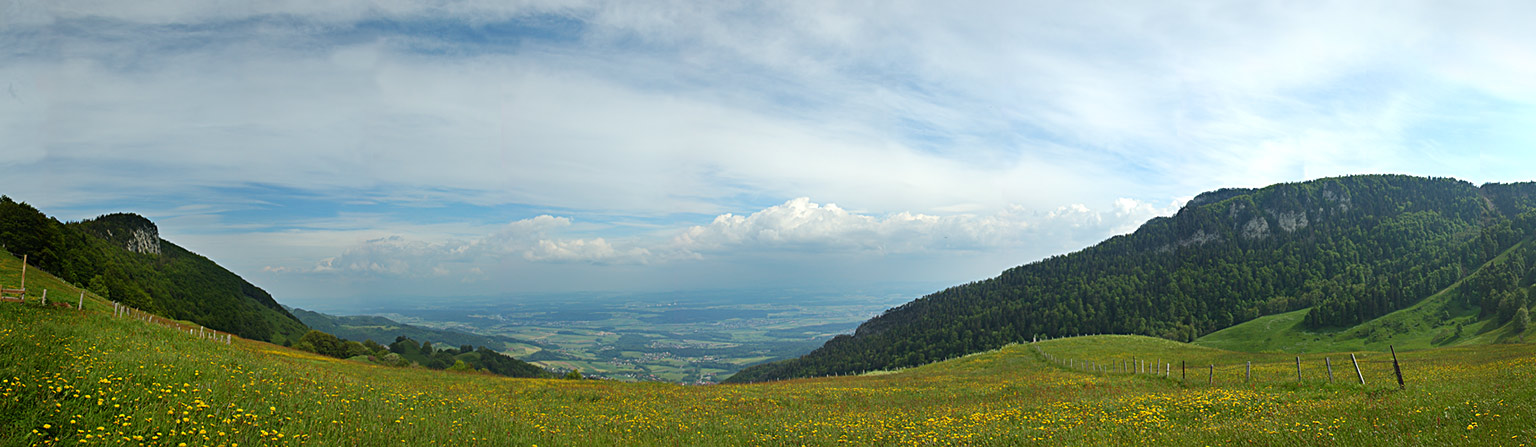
(1349, 248)
(122, 258)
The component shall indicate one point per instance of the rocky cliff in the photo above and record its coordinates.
(130, 231)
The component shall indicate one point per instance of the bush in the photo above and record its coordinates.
(393, 359)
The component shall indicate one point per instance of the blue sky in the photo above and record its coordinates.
(335, 150)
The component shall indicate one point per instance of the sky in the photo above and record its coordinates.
(341, 149)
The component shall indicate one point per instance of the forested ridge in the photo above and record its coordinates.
(121, 257)
(1350, 248)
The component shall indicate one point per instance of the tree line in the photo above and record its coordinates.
(406, 351)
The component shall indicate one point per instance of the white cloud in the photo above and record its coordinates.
(954, 127)
(584, 250)
(666, 108)
(797, 228)
(401, 256)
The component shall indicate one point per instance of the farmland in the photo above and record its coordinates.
(679, 337)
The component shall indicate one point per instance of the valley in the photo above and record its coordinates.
(694, 337)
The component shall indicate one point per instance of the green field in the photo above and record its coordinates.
(86, 377)
(68, 377)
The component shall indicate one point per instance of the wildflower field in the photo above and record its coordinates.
(71, 377)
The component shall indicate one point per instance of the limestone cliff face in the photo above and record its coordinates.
(130, 231)
(1250, 215)
(143, 240)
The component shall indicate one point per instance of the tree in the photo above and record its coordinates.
(98, 286)
(459, 365)
(404, 346)
(323, 344)
(374, 347)
(575, 374)
(354, 349)
(1522, 320)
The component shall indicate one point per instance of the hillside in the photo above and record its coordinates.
(1451, 317)
(69, 377)
(1346, 250)
(121, 257)
(384, 331)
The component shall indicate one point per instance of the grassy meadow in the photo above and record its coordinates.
(87, 378)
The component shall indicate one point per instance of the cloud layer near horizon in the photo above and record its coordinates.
(371, 139)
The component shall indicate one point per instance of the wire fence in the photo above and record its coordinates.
(122, 311)
(1332, 368)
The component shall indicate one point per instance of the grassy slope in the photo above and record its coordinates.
(68, 377)
(1420, 326)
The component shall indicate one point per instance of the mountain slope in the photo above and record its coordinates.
(122, 258)
(1350, 248)
(1452, 317)
(384, 331)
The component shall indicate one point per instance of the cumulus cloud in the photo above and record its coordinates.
(802, 224)
(798, 227)
(402, 256)
(585, 250)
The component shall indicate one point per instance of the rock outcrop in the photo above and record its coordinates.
(130, 231)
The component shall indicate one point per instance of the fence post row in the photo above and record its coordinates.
(1124, 365)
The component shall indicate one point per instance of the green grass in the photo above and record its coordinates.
(1427, 324)
(68, 377)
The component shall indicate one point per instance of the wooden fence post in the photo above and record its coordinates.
(1211, 379)
(81, 306)
(1395, 368)
(1298, 369)
(1248, 372)
(45, 297)
(1357, 368)
(1328, 362)
(1183, 374)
